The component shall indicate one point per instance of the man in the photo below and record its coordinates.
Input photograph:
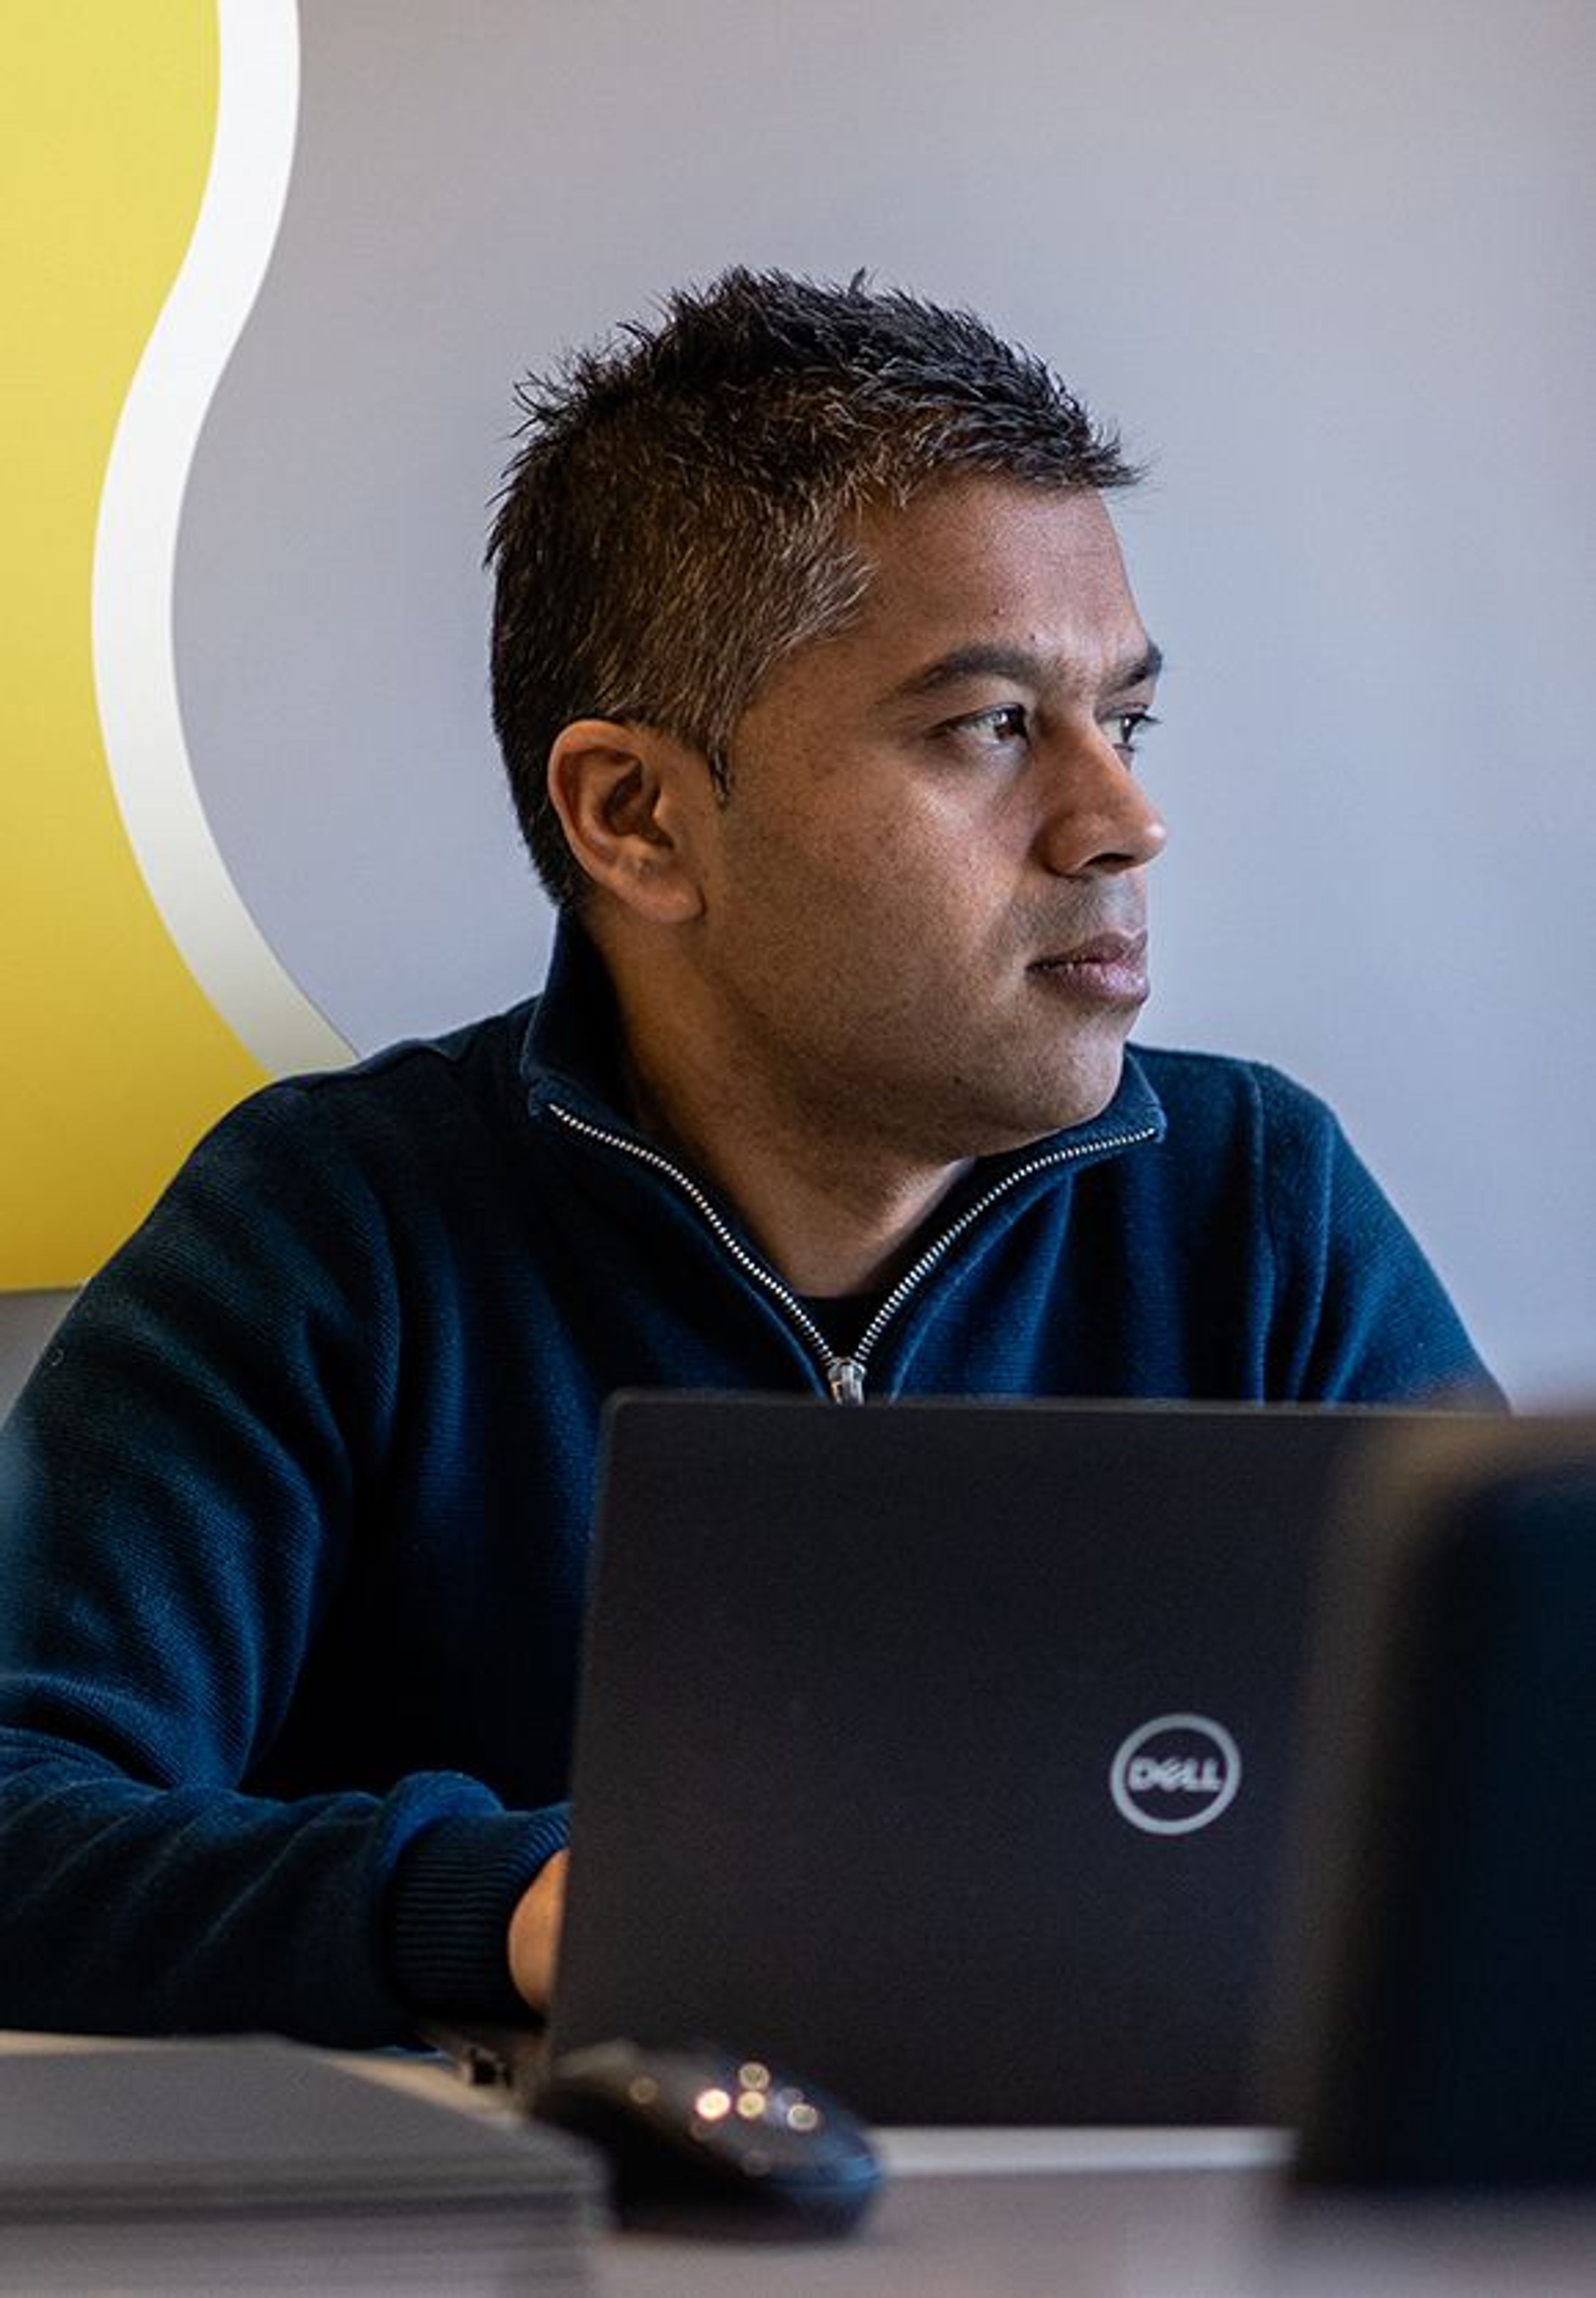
(821, 688)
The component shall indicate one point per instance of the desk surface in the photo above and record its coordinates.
(1089, 2214)
(989, 2234)
(1152, 2233)
(1190, 2213)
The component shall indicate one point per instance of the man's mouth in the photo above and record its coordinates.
(1110, 967)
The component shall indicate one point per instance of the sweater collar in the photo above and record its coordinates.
(571, 1052)
(571, 1048)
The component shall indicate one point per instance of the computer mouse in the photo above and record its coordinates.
(702, 2141)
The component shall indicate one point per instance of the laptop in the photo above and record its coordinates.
(1438, 1963)
(940, 1750)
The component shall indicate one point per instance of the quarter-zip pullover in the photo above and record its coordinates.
(297, 1505)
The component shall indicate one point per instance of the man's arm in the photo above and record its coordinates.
(181, 1487)
(1360, 1315)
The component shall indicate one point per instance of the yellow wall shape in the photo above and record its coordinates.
(113, 1059)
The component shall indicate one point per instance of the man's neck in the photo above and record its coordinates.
(833, 1217)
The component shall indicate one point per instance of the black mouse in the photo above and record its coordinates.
(702, 2141)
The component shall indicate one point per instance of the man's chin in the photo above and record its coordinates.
(1090, 1082)
(1059, 1104)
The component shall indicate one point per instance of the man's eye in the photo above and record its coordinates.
(1125, 730)
(994, 729)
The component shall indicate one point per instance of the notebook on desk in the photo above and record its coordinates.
(255, 2167)
(940, 1749)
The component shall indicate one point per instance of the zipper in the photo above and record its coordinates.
(843, 1374)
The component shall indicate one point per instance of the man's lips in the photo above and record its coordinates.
(1113, 966)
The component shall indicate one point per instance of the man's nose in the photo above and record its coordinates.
(1098, 816)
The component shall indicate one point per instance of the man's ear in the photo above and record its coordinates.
(627, 798)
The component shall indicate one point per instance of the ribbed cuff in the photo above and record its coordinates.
(456, 1885)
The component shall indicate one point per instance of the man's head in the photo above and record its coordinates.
(685, 507)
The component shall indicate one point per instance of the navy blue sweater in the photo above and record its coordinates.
(296, 1508)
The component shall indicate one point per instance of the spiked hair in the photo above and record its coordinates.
(678, 516)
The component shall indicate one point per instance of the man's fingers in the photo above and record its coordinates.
(534, 1932)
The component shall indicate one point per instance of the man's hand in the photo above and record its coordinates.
(534, 1932)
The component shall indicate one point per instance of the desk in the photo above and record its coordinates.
(992, 2214)
(1108, 2214)
(1084, 2229)
(1084, 2214)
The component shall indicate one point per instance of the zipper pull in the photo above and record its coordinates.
(845, 1377)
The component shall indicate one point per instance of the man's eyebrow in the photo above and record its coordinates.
(1018, 662)
(1148, 665)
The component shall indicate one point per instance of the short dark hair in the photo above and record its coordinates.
(674, 519)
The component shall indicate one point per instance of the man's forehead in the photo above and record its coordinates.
(967, 579)
(989, 531)
(983, 501)
(1022, 666)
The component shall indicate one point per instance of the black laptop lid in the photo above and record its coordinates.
(940, 1749)
(1440, 1981)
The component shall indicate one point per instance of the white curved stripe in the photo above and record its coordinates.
(135, 547)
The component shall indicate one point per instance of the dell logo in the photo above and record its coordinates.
(1175, 1775)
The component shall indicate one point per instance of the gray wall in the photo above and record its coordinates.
(1331, 267)
(26, 1320)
